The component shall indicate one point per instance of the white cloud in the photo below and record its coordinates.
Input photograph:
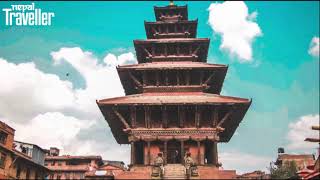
(26, 91)
(243, 162)
(314, 47)
(48, 111)
(236, 26)
(108, 150)
(102, 79)
(51, 129)
(125, 58)
(300, 130)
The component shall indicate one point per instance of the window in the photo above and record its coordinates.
(59, 176)
(52, 163)
(3, 137)
(2, 160)
(59, 163)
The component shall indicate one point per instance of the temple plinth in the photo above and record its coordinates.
(173, 103)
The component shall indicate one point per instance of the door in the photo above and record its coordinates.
(173, 152)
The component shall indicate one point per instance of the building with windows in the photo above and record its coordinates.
(70, 167)
(16, 163)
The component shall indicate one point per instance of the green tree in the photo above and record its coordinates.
(288, 170)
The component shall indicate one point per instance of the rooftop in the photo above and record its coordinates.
(173, 98)
(171, 40)
(67, 157)
(30, 145)
(159, 11)
(173, 65)
(295, 156)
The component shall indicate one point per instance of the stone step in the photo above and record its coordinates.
(174, 171)
(174, 177)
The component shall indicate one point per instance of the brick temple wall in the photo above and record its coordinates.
(211, 172)
(136, 172)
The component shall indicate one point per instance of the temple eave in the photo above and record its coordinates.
(174, 98)
(172, 40)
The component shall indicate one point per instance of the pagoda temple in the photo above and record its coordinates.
(173, 103)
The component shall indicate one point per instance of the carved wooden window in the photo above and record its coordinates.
(3, 137)
(156, 119)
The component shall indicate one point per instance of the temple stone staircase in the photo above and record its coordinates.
(174, 171)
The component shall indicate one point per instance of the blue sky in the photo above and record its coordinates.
(281, 77)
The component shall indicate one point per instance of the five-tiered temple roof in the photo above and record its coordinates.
(172, 92)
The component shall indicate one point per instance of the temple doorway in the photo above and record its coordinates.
(174, 152)
(139, 152)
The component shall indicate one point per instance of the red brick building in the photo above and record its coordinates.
(312, 171)
(71, 167)
(80, 167)
(16, 164)
(301, 160)
(173, 103)
(109, 170)
(254, 175)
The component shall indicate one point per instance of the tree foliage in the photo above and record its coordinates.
(288, 170)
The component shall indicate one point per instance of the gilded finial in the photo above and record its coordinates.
(171, 3)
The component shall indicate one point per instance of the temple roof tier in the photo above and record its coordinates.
(174, 76)
(172, 49)
(173, 65)
(116, 110)
(173, 98)
(171, 13)
(162, 29)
